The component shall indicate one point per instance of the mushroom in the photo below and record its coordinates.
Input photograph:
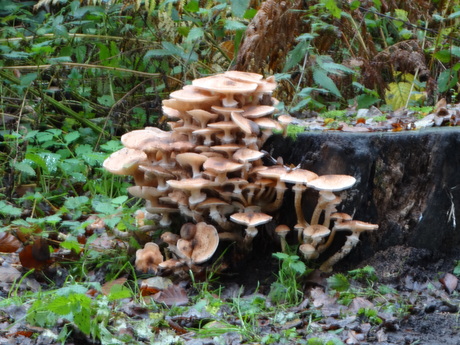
(247, 157)
(308, 251)
(205, 242)
(282, 231)
(194, 160)
(226, 86)
(149, 258)
(300, 177)
(227, 127)
(251, 220)
(356, 227)
(314, 234)
(193, 186)
(226, 111)
(327, 184)
(124, 161)
(339, 217)
(202, 116)
(221, 166)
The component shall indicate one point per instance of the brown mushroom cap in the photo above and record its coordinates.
(140, 138)
(255, 111)
(221, 166)
(148, 258)
(124, 161)
(194, 160)
(194, 186)
(247, 155)
(226, 111)
(202, 116)
(333, 183)
(248, 77)
(192, 94)
(246, 125)
(356, 226)
(308, 251)
(299, 176)
(282, 230)
(205, 242)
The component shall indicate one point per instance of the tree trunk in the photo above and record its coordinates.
(407, 182)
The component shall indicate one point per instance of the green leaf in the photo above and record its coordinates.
(120, 200)
(72, 245)
(119, 291)
(331, 6)
(338, 282)
(192, 6)
(296, 55)
(25, 168)
(234, 25)
(365, 101)
(320, 77)
(239, 7)
(194, 34)
(9, 210)
(299, 267)
(446, 80)
(106, 100)
(27, 79)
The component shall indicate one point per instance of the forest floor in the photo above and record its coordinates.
(407, 299)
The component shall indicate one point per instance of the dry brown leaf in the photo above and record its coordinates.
(105, 289)
(36, 255)
(172, 295)
(9, 243)
(359, 303)
(449, 281)
(9, 274)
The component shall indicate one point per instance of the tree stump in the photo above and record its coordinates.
(407, 182)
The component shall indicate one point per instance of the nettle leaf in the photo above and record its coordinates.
(71, 244)
(119, 291)
(9, 210)
(296, 55)
(321, 78)
(25, 168)
(27, 79)
(299, 267)
(112, 146)
(194, 34)
(239, 7)
(72, 136)
(234, 25)
(37, 159)
(106, 100)
(338, 282)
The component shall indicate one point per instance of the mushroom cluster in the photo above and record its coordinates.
(208, 169)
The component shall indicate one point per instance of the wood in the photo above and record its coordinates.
(407, 182)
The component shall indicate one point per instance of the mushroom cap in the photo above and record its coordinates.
(226, 111)
(299, 176)
(268, 123)
(355, 226)
(190, 183)
(124, 161)
(140, 138)
(251, 219)
(248, 77)
(227, 148)
(274, 171)
(282, 230)
(224, 85)
(170, 238)
(148, 258)
(229, 125)
(208, 203)
(192, 94)
(155, 171)
(246, 125)
(341, 216)
(220, 165)
(316, 231)
(333, 183)
(285, 119)
(144, 192)
(205, 242)
(247, 155)
(255, 111)
(188, 231)
(202, 116)
(190, 158)
(308, 251)
(185, 247)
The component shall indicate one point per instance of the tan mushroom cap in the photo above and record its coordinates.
(299, 176)
(341, 216)
(205, 242)
(202, 116)
(355, 226)
(192, 159)
(221, 166)
(268, 123)
(248, 77)
(148, 258)
(138, 138)
(171, 112)
(207, 134)
(226, 111)
(246, 125)
(124, 161)
(282, 230)
(247, 155)
(229, 149)
(333, 183)
(170, 238)
(316, 231)
(193, 95)
(308, 251)
(251, 219)
(255, 111)
(185, 247)
(194, 186)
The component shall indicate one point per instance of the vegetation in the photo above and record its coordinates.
(76, 75)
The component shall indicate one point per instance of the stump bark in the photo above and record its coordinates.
(407, 182)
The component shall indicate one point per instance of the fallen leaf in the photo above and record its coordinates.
(9, 243)
(360, 302)
(172, 295)
(9, 274)
(105, 289)
(449, 281)
(36, 255)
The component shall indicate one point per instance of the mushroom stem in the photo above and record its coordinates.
(298, 190)
(251, 232)
(276, 204)
(350, 243)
